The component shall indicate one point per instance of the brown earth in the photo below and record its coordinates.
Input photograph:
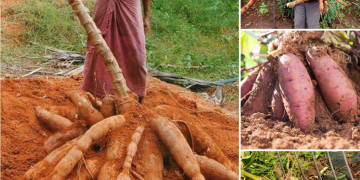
(23, 137)
(259, 130)
(253, 19)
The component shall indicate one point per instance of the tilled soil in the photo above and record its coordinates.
(253, 19)
(259, 131)
(23, 137)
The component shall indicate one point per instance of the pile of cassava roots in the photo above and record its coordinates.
(305, 95)
(90, 141)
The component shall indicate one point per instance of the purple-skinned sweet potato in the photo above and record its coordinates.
(277, 104)
(297, 90)
(248, 82)
(336, 88)
(258, 100)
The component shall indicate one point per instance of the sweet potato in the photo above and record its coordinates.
(297, 90)
(248, 82)
(176, 143)
(40, 168)
(59, 138)
(95, 133)
(84, 108)
(277, 104)
(337, 90)
(213, 170)
(258, 101)
(52, 121)
(107, 107)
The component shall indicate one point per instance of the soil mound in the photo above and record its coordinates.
(23, 137)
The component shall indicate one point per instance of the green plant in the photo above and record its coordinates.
(332, 13)
(263, 8)
(193, 34)
(284, 10)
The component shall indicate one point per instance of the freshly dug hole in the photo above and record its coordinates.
(23, 136)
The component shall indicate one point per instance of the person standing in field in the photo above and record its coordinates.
(307, 12)
(123, 27)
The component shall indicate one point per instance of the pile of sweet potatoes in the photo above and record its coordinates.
(286, 87)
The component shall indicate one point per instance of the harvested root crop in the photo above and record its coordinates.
(204, 145)
(213, 170)
(38, 171)
(64, 111)
(59, 138)
(248, 5)
(320, 89)
(131, 151)
(247, 83)
(296, 2)
(152, 160)
(85, 109)
(52, 121)
(94, 101)
(108, 107)
(95, 133)
(176, 143)
(88, 170)
(111, 168)
(296, 86)
(277, 104)
(257, 102)
(24, 145)
(339, 95)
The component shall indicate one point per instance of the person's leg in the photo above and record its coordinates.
(141, 99)
(312, 15)
(300, 14)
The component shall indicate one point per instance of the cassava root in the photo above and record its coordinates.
(95, 133)
(131, 151)
(176, 143)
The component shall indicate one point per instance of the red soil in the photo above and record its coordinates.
(23, 137)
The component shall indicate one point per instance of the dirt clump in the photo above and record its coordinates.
(23, 137)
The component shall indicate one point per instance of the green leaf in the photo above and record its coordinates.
(247, 44)
(253, 35)
(245, 154)
(342, 175)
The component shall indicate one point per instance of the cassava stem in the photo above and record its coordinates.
(102, 48)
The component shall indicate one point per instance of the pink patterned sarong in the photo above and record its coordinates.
(121, 25)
